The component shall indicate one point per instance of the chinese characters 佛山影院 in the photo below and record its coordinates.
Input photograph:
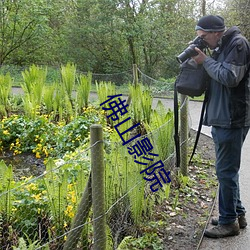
(142, 148)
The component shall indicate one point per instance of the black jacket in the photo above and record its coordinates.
(229, 90)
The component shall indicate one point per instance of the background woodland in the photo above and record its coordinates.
(107, 36)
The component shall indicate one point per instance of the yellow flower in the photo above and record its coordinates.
(6, 132)
(38, 155)
(37, 196)
(31, 187)
(69, 211)
(73, 199)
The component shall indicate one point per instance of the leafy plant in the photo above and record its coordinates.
(34, 81)
(162, 125)
(104, 89)
(68, 74)
(141, 110)
(6, 184)
(30, 208)
(147, 241)
(5, 90)
(48, 97)
(22, 245)
(83, 91)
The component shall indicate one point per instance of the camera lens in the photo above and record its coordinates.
(187, 53)
(190, 50)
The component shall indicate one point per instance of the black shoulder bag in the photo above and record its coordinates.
(191, 81)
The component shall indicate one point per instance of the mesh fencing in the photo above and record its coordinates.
(54, 210)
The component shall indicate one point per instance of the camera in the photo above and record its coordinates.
(190, 51)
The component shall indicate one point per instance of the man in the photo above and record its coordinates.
(228, 112)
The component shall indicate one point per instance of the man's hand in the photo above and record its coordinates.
(200, 58)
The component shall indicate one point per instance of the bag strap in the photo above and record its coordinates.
(199, 127)
(176, 127)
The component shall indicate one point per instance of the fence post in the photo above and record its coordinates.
(135, 81)
(184, 135)
(80, 218)
(98, 195)
(135, 74)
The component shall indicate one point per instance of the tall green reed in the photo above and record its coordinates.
(104, 89)
(6, 196)
(56, 184)
(33, 86)
(141, 103)
(68, 74)
(5, 90)
(48, 97)
(83, 91)
(161, 130)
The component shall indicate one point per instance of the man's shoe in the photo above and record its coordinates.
(221, 231)
(241, 219)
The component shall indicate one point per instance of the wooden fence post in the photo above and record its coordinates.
(135, 81)
(80, 218)
(98, 195)
(184, 135)
(135, 74)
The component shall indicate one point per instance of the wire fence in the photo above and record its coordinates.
(55, 210)
(161, 87)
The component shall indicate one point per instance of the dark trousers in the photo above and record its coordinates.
(228, 145)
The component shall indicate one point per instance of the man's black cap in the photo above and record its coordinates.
(210, 23)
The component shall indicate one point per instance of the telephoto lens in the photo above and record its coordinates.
(190, 50)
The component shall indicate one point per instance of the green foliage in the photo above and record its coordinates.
(162, 123)
(141, 110)
(55, 196)
(5, 90)
(147, 241)
(30, 206)
(68, 74)
(33, 85)
(57, 188)
(48, 98)
(6, 184)
(104, 89)
(29, 245)
(83, 91)
(43, 137)
(23, 25)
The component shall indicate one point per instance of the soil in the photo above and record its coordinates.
(187, 222)
(25, 164)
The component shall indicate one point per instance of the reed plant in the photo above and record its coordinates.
(123, 179)
(62, 106)
(141, 103)
(48, 97)
(161, 130)
(83, 91)
(56, 184)
(5, 90)
(104, 89)
(6, 184)
(68, 75)
(34, 80)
